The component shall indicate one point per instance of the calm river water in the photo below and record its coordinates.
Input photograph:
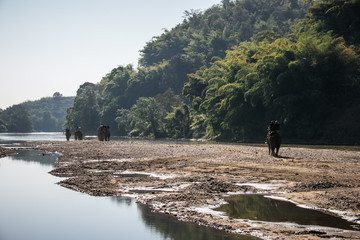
(32, 206)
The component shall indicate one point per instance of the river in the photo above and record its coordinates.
(33, 206)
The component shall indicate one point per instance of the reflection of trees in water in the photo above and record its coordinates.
(171, 228)
(258, 207)
(43, 158)
(128, 201)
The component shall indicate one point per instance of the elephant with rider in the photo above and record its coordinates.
(78, 134)
(273, 138)
(103, 133)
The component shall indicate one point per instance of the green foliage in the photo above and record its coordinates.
(220, 27)
(17, 119)
(149, 116)
(177, 122)
(3, 127)
(302, 83)
(85, 112)
(48, 114)
(144, 117)
(339, 16)
(44, 115)
(239, 65)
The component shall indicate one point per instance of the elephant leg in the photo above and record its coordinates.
(272, 151)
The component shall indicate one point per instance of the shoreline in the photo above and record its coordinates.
(5, 152)
(186, 180)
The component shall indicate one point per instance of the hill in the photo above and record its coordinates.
(45, 115)
(167, 59)
(225, 73)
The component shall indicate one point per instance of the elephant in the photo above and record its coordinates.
(107, 133)
(103, 133)
(78, 134)
(273, 141)
(67, 134)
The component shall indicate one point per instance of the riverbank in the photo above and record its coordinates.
(5, 152)
(186, 180)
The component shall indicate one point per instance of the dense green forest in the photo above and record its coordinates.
(225, 73)
(45, 115)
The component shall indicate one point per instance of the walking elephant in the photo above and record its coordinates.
(103, 133)
(273, 141)
(273, 138)
(67, 134)
(107, 133)
(78, 134)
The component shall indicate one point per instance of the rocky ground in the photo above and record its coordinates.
(187, 179)
(5, 152)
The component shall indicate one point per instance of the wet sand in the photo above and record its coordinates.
(187, 180)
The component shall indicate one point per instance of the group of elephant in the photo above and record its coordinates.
(103, 133)
(273, 138)
(78, 134)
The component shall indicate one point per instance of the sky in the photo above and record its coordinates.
(49, 46)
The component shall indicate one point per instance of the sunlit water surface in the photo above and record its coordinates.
(31, 137)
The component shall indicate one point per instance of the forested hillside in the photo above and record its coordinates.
(226, 72)
(45, 115)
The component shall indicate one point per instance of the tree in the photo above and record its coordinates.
(17, 119)
(177, 122)
(3, 127)
(49, 113)
(144, 117)
(339, 16)
(57, 95)
(84, 112)
(48, 123)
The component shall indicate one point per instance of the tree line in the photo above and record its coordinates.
(226, 72)
(45, 115)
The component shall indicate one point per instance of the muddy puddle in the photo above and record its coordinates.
(263, 208)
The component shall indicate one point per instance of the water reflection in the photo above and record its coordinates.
(258, 207)
(170, 228)
(35, 136)
(47, 159)
(33, 207)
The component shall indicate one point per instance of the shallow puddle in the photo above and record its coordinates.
(258, 207)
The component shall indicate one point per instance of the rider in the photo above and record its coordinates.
(274, 127)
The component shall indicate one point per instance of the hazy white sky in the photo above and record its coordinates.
(49, 46)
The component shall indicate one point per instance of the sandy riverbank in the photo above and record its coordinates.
(5, 152)
(187, 179)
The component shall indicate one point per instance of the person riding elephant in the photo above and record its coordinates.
(67, 134)
(78, 134)
(273, 138)
(103, 133)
